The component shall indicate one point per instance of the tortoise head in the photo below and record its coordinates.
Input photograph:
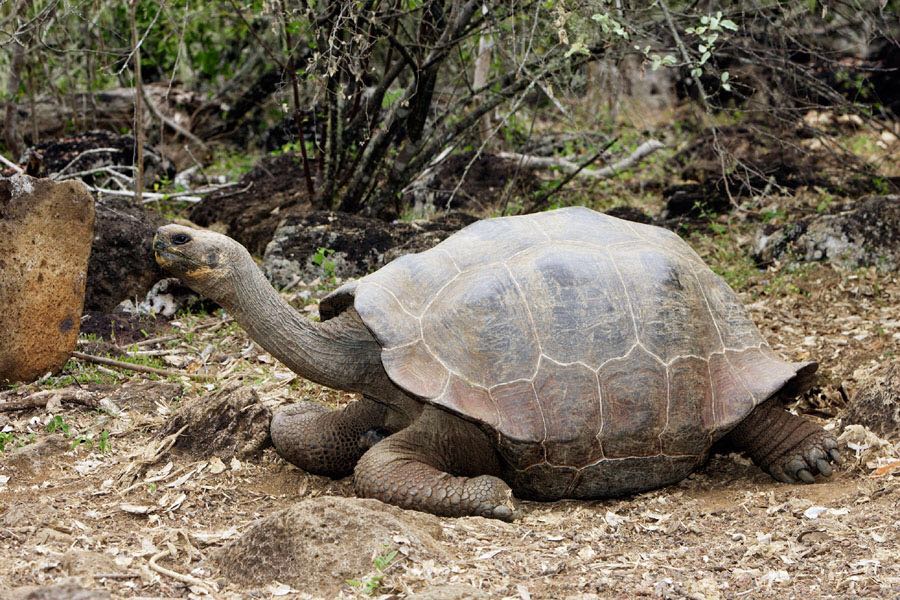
(207, 262)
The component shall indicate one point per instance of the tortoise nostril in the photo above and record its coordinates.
(179, 239)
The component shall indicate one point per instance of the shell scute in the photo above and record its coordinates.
(416, 278)
(576, 297)
(570, 401)
(418, 369)
(688, 421)
(521, 417)
(634, 393)
(491, 240)
(670, 314)
(467, 399)
(478, 322)
(583, 225)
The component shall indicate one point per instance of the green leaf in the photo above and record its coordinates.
(728, 24)
(702, 48)
(705, 57)
(725, 76)
(726, 87)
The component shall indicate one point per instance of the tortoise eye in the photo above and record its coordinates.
(179, 239)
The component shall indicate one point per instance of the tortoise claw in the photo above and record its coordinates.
(836, 456)
(810, 458)
(806, 476)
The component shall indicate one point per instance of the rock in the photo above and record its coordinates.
(251, 211)
(92, 150)
(866, 235)
(63, 591)
(45, 240)
(230, 423)
(354, 245)
(122, 264)
(876, 403)
(168, 297)
(319, 543)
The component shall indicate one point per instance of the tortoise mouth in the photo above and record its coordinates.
(165, 253)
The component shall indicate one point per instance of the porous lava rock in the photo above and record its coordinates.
(122, 265)
(230, 423)
(251, 210)
(876, 403)
(45, 240)
(318, 544)
(353, 245)
(866, 234)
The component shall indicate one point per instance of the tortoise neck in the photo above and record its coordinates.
(308, 348)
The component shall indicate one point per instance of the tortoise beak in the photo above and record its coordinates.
(163, 248)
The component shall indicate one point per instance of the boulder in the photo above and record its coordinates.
(45, 240)
(352, 245)
(866, 234)
(318, 544)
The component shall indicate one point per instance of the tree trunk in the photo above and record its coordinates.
(11, 137)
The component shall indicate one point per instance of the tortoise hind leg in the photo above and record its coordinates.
(788, 447)
(327, 442)
(440, 464)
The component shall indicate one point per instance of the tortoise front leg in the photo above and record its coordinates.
(786, 446)
(440, 464)
(327, 442)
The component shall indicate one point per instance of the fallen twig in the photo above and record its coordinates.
(42, 398)
(189, 196)
(541, 162)
(100, 360)
(11, 164)
(58, 174)
(188, 579)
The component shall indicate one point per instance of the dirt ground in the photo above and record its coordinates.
(95, 497)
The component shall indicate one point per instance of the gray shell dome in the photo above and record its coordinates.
(577, 336)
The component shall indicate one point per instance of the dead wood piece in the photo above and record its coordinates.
(543, 162)
(40, 399)
(188, 579)
(11, 164)
(139, 368)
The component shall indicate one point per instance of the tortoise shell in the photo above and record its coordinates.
(578, 337)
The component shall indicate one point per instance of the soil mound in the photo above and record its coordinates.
(231, 423)
(251, 211)
(320, 543)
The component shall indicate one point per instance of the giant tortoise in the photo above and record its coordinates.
(565, 354)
